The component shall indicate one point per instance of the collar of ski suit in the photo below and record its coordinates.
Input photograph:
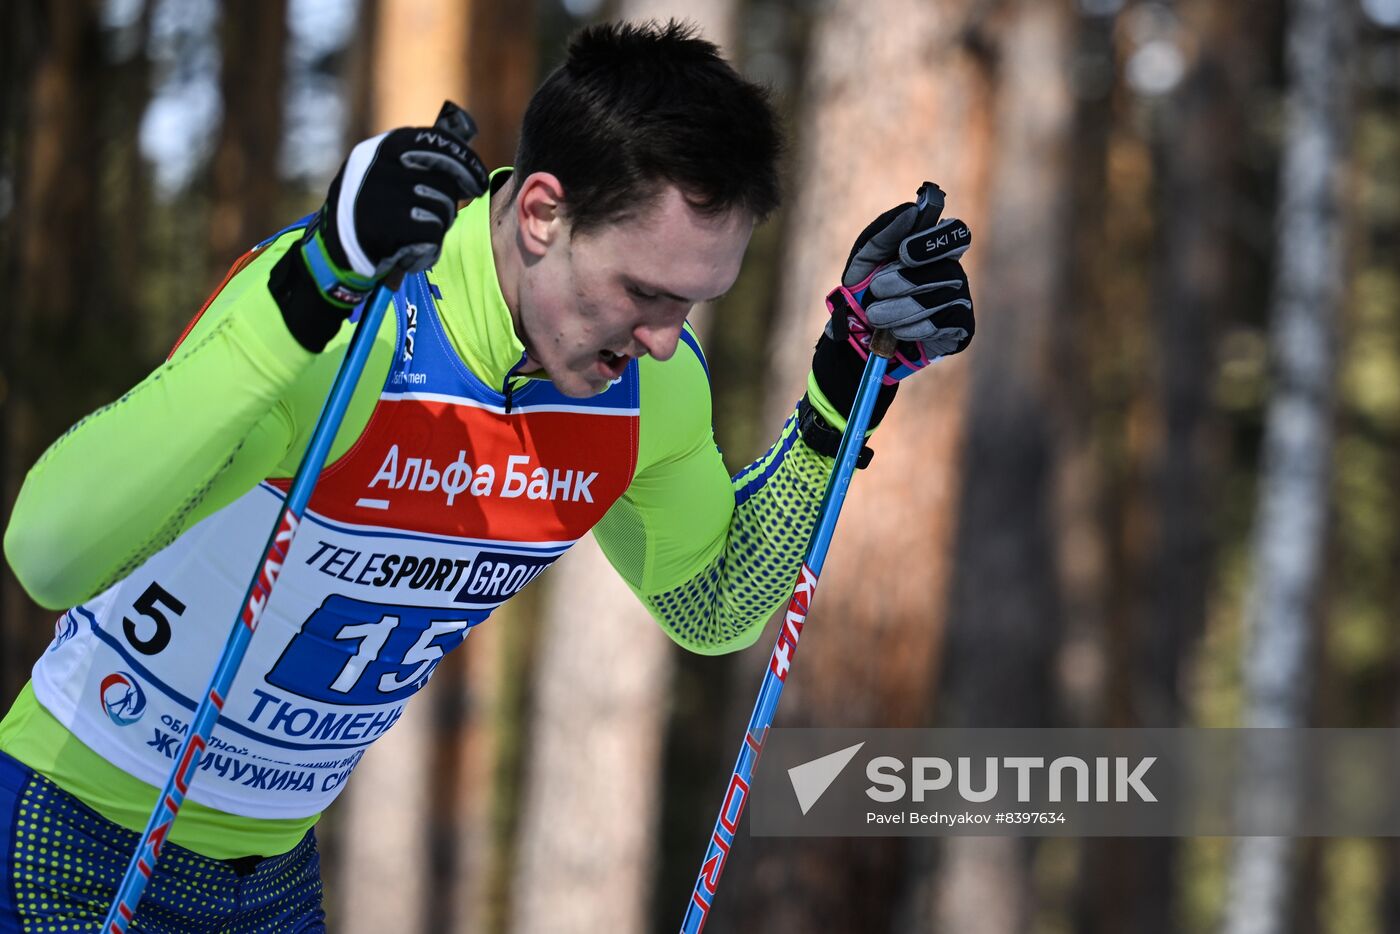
(471, 307)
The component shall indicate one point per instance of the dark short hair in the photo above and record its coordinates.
(637, 105)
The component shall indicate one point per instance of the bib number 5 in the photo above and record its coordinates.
(152, 637)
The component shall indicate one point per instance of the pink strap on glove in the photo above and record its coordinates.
(848, 319)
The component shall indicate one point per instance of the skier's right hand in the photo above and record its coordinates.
(387, 212)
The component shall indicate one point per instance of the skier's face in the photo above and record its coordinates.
(590, 303)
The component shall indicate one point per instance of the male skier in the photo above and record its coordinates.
(534, 380)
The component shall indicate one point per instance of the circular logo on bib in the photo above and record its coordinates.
(123, 698)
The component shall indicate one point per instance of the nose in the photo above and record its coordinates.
(658, 340)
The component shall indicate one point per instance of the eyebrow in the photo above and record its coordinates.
(657, 290)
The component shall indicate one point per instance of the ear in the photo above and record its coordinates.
(539, 211)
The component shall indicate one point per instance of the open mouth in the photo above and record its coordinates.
(612, 363)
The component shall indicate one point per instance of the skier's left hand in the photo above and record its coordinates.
(903, 274)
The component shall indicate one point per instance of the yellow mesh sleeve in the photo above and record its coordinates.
(725, 606)
(711, 557)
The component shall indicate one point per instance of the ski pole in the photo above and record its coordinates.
(882, 347)
(279, 543)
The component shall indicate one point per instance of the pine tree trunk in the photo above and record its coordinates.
(1006, 611)
(246, 189)
(21, 632)
(409, 34)
(500, 75)
(893, 95)
(1129, 882)
(58, 323)
(1291, 522)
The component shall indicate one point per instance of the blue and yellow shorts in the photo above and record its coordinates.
(63, 862)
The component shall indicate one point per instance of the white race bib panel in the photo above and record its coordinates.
(445, 508)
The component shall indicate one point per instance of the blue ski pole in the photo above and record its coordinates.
(279, 543)
(882, 347)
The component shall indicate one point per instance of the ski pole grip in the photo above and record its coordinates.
(929, 201)
(882, 344)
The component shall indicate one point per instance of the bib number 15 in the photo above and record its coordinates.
(353, 652)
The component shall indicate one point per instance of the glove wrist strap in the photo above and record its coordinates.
(311, 317)
(821, 437)
(341, 287)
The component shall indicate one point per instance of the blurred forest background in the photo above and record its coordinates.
(1163, 487)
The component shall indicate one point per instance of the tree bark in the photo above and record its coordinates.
(1291, 523)
(409, 34)
(246, 189)
(58, 323)
(1006, 612)
(20, 633)
(1129, 882)
(500, 75)
(894, 94)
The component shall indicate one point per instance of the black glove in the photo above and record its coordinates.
(387, 212)
(902, 275)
